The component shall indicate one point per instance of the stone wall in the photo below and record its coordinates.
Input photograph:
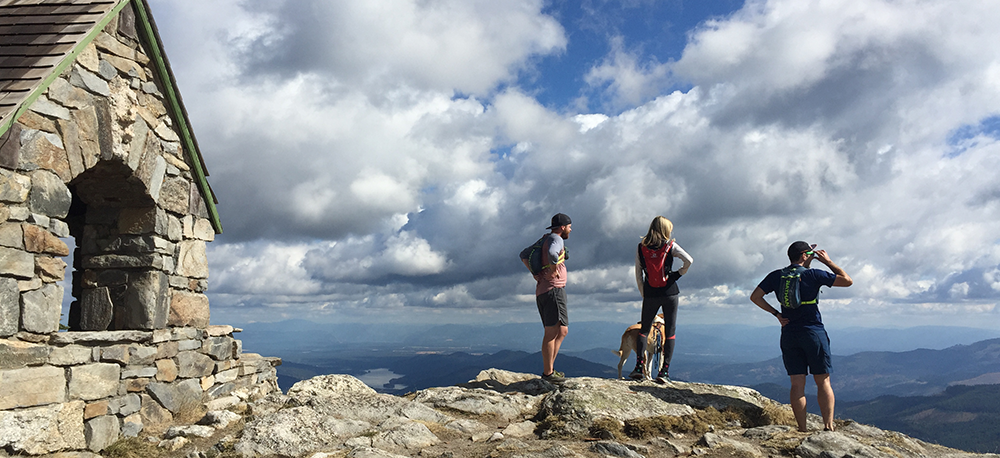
(85, 390)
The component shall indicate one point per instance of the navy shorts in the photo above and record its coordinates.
(806, 351)
(552, 307)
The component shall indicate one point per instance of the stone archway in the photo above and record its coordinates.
(123, 255)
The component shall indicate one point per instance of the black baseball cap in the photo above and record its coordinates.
(560, 219)
(797, 248)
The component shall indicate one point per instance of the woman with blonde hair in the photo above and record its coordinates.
(657, 283)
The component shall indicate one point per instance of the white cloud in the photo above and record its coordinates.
(832, 122)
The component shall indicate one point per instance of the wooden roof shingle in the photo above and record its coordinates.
(41, 38)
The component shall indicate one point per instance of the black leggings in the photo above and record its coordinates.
(650, 307)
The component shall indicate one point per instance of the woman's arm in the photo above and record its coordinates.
(680, 253)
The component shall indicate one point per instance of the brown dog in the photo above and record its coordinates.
(628, 345)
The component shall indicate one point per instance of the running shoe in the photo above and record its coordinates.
(554, 377)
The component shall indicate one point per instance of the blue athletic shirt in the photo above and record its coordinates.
(807, 315)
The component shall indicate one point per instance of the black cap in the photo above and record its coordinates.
(797, 248)
(560, 219)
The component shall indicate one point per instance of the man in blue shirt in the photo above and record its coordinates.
(805, 345)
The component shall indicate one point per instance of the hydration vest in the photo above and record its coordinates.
(657, 263)
(788, 288)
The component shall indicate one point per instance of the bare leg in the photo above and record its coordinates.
(824, 394)
(551, 342)
(797, 398)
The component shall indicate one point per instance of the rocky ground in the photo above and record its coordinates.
(510, 415)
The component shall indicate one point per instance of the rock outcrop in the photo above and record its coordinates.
(504, 414)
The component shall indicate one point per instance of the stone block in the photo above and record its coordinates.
(44, 151)
(59, 228)
(178, 396)
(49, 195)
(137, 147)
(132, 425)
(125, 405)
(138, 372)
(106, 71)
(150, 220)
(166, 370)
(203, 230)
(74, 152)
(42, 430)
(10, 151)
(50, 269)
(96, 309)
(192, 260)
(83, 79)
(70, 355)
(17, 263)
(10, 305)
(88, 58)
(227, 376)
(115, 354)
(11, 235)
(207, 382)
(185, 333)
(108, 43)
(136, 385)
(88, 128)
(15, 354)
(93, 381)
(188, 309)
(115, 261)
(29, 285)
(40, 240)
(146, 305)
(167, 350)
(219, 348)
(175, 194)
(40, 309)
(142, 354)
(161, 335)
(18, 213)
(32, 386)
(175, 231)
(100, 338)
(193, 364)
(185, 345)
(96, 409)
(101, 432)
(14, 187)
(67, 95)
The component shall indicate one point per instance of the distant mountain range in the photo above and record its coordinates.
(944, 392)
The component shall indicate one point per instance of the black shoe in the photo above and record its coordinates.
(663, 376)
(554, 377)
(637, 374)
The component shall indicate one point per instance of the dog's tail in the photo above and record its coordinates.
(617, 353)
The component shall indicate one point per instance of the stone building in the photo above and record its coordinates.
(97, 152)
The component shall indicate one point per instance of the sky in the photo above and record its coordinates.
(387, 160)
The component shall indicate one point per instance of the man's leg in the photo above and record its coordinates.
(797, 398)
(824, 394)
(551, 342)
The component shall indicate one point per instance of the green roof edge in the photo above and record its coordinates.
(159, 57)
(147, 28)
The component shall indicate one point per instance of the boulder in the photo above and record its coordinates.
(506, 406)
